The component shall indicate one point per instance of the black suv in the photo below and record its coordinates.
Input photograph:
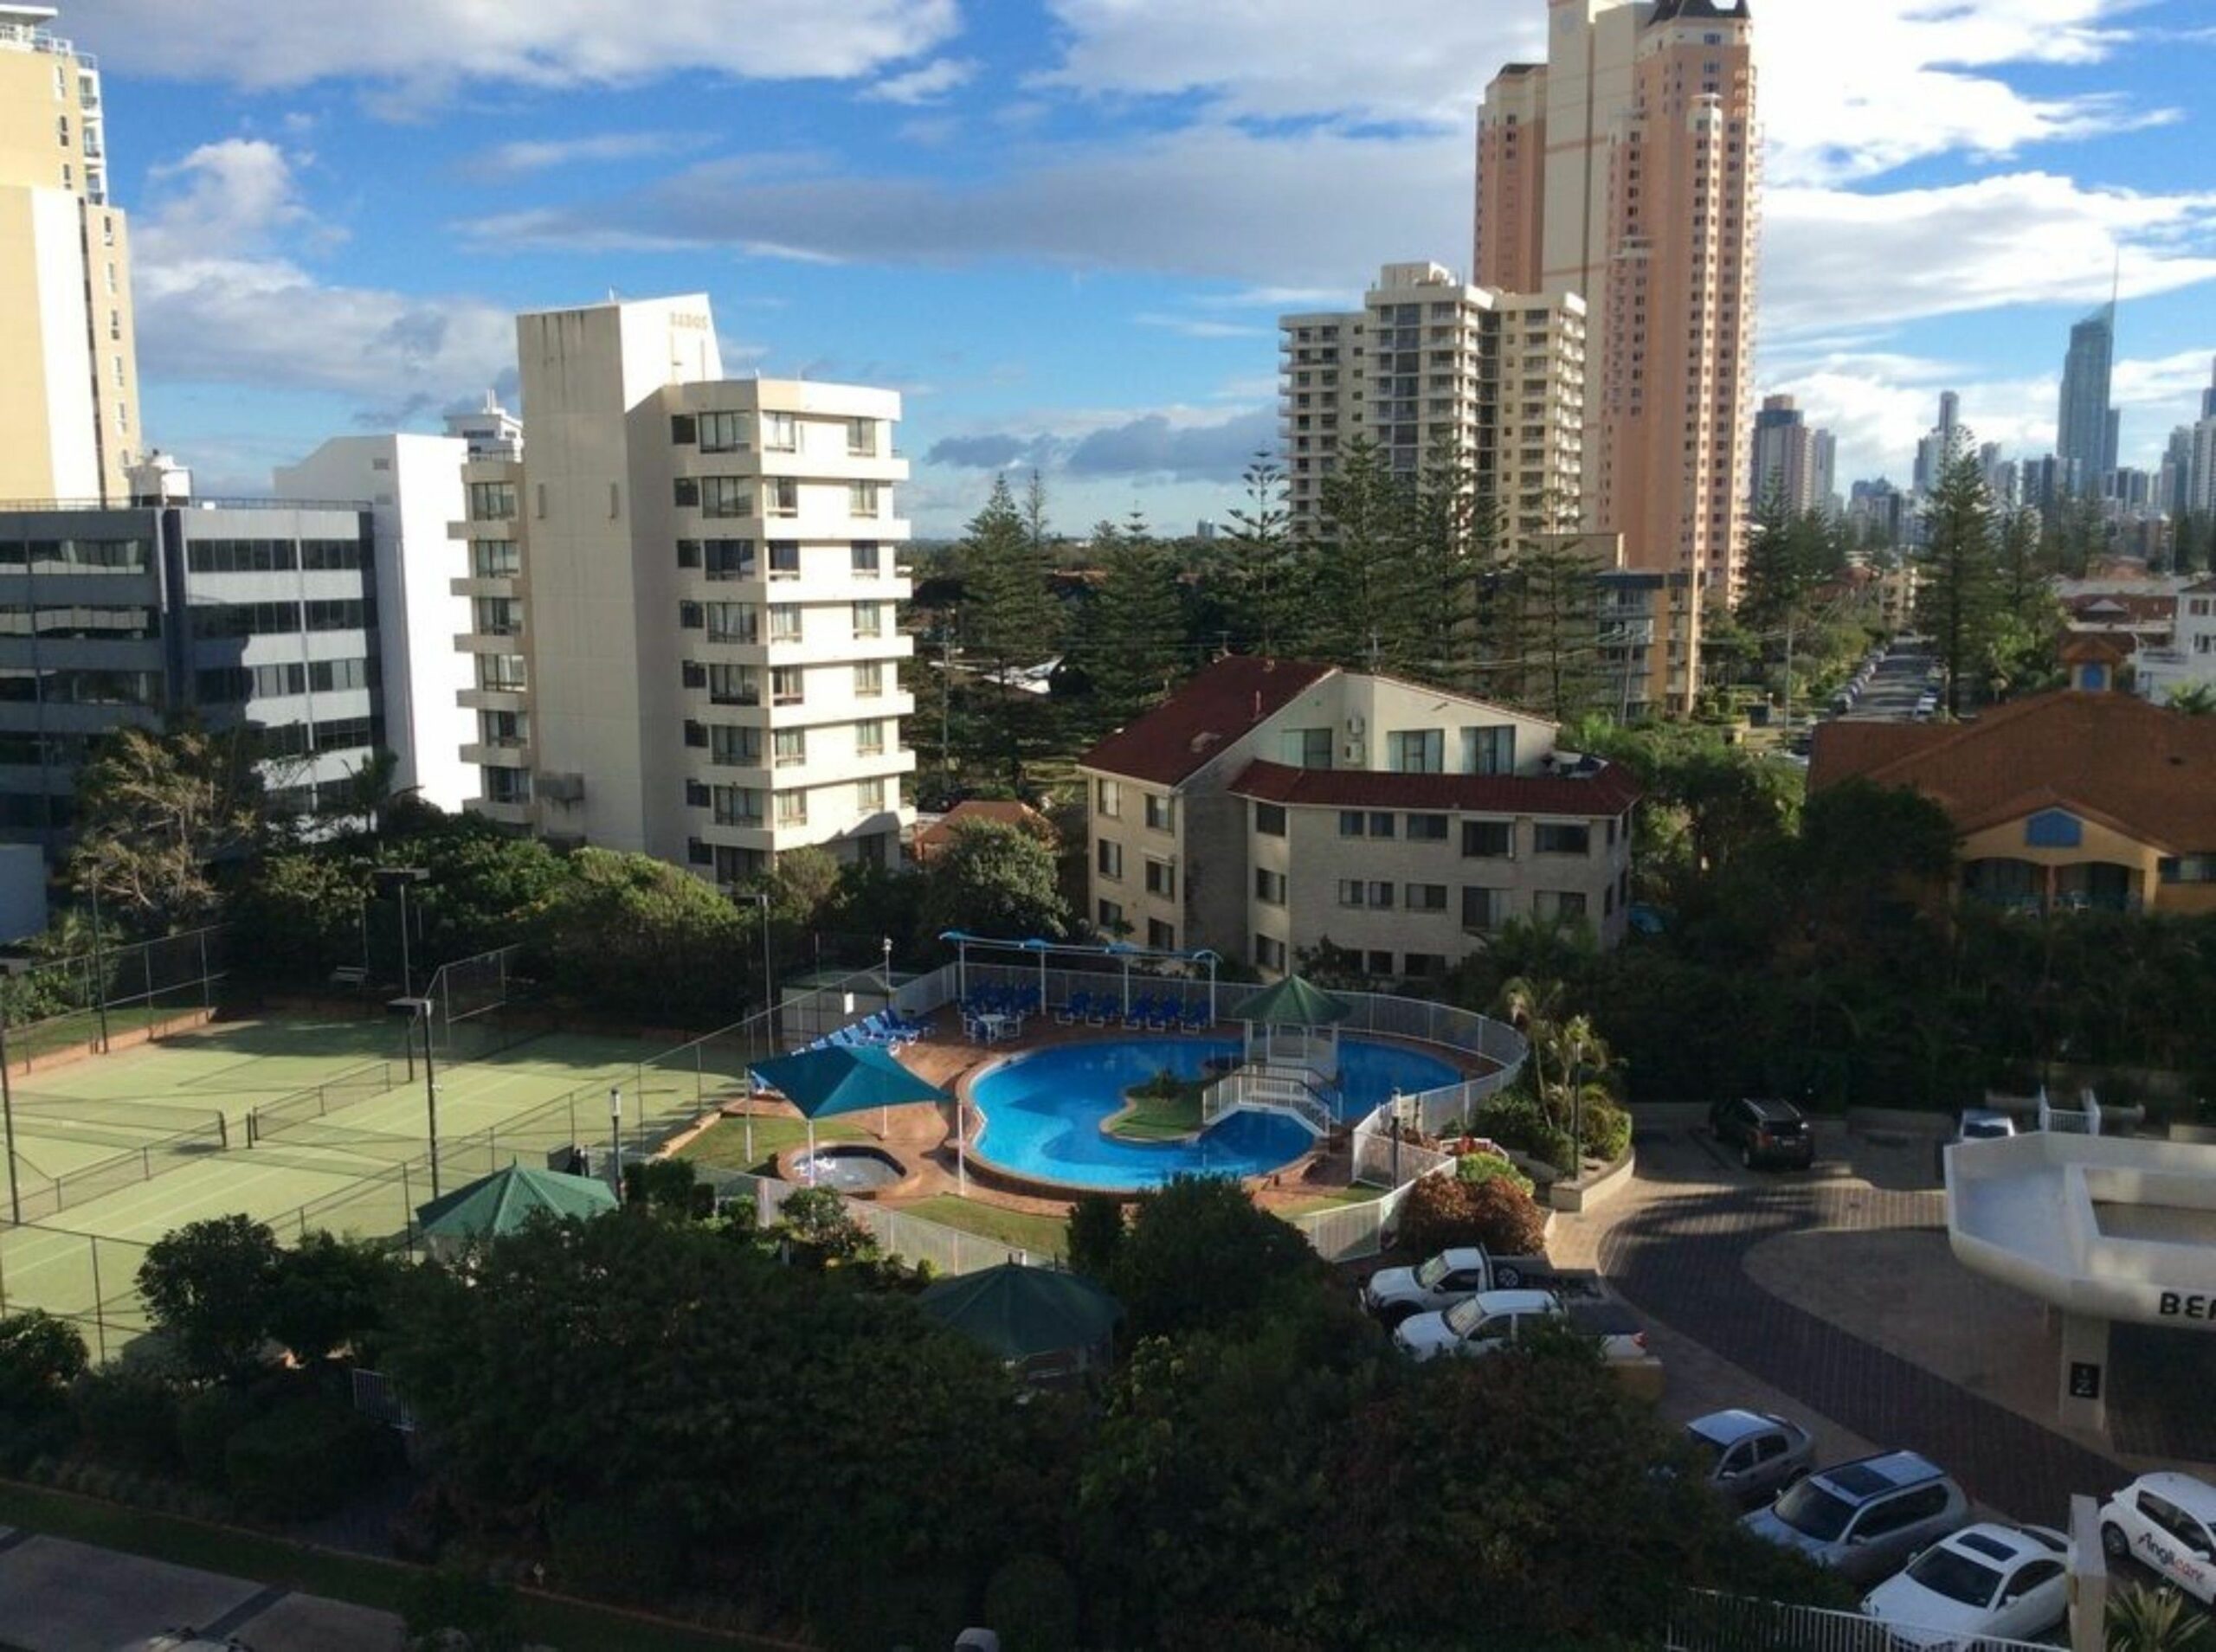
(1768, 1132)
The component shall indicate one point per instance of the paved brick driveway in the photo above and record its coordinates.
(1678, 1256)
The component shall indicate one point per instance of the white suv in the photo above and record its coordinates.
(2166, 1522)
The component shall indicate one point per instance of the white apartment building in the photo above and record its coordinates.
(684, 596)
(1429, 363)
(1270, 806)
(412, 487)
(2189, 661)
(68, 356)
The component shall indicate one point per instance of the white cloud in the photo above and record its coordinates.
(221, 298)
(925, 85)
(428, 47)
(1199, 326)
(523, 155)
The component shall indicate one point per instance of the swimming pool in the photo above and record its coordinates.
(1043, 1110)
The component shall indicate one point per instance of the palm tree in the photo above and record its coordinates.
(2196, 700)
(2155, 1620)
(1530, 1005)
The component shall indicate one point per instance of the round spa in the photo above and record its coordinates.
(853, 1167)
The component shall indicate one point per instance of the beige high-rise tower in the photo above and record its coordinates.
(1627, 168)
(69, 361)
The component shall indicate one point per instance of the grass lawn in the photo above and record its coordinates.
(723, 1143)
(1329, 1201)
(386, 1585)
(1156, 1117)
(1044, 1236)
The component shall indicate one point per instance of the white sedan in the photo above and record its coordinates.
(2008, 1582)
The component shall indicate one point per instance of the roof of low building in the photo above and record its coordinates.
(1005, 810)
(1216, 706)
(1607, 788)
(2148, 771)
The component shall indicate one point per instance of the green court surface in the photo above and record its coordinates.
(114, 1151)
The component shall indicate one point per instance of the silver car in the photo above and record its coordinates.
(1750, 1456)
(1865, 1519)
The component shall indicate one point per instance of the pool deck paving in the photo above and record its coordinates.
(59, 1596)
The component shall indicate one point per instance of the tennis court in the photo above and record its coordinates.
(306, 1124)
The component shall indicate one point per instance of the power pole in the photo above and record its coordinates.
(946, 653)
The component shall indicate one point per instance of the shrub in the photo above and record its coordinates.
(1608, 1131)
(40, 1357)
(304, 1459)
(211, 1286)
(1032, 1605)
(815, 1221)
(1443, 1210)
(1473, 1168)
(476, 1607)
(206, 1422)
(127, 1417)
(618, 1551)
(1520, 1122)
(1096, 1233)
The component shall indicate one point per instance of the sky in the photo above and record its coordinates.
(1065, 229)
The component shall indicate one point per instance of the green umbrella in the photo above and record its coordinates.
(504, 1201)
(843, 1078)
(1293, 1002)
(1017, 1312)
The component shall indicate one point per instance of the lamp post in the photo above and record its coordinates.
(616, 1140)
(760, 898)
(99, 970)
(10, 968)
(399, 878)
(1394, 1116)
(419, 1010)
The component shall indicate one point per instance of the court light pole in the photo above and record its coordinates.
(399, 878)
(616, 1140)
(10, 968)
(419, 1010)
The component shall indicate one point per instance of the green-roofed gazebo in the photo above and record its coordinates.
(1294, 1023)
(1022, 1313)
(504, 1201)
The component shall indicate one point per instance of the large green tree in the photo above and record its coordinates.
(1958, 600)
(632, 932)
(993, 878)
(1274, 604)
(1133, 630)
(156, 811)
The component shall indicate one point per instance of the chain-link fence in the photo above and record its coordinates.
(86, 1278)
(87, 1000)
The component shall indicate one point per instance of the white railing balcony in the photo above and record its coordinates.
(1273, 1090)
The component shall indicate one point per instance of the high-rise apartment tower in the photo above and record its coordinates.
(69, 365)
(2086, 433)
(1791, 457)
(1626, 170)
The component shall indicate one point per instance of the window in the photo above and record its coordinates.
(496, 616)
(492, 501)
(1380, 824)
(1269, 887)
(1161, 813)
(869, 737)
(2188, 869)
(2053, 829)
(787, 687)
(1378, 963)
(728, 558)
(736, 805)
(1425, 897)
(1416, 751)
(506, 785)
(785, 559)
(869, 679)
(730, 746)
(723, 496)
(784, 622)
(792, 808)
(731, 621)
(1489, 751)
(1269, 953)
(865, 559)
(1108, 798)
(1374, 895)
(732, 685)
(246, 618)
(1307, 748)
(507, 730)
(790, 750)
(861, 437)
(1269, 819)
(239, 556)
(1162, 880)
(1483, 908)
(502, 672)
(1108, 859)
(723, 433)
(1111, 915)
(781, 496)
(495, 559)
(869, 620)
(861, 498)
(1353, 823)
(1427, 828)
(780, 433)
(1423, 966)
(869, 794)
(1567, 904)
(1552, 838)
(683, 431)
(1163, 937)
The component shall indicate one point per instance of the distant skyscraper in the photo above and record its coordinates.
(1626, 170)
(1943, 444)
(1790, 458)
(2208, 396)
(2086, 424)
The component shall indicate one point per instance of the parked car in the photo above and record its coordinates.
(1452, 1276)
(2009, 1581)
(1864, 1519)
(1494, 1320)
(1751, 1455)
(1765, 1132)
(2168, 1523)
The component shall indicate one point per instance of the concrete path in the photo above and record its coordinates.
(56, 1596)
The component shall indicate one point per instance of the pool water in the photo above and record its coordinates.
(848, 1169)
(1043, 1110)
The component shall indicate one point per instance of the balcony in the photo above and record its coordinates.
(494, 699)
(484, 585)
(497, 753)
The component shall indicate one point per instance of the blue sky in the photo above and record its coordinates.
(1065, 228)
